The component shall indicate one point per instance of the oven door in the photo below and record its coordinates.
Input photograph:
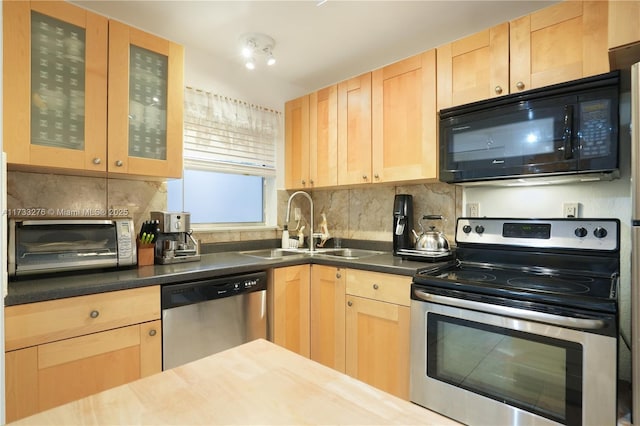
(487, 369)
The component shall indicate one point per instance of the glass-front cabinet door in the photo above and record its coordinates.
(145, 103)
(55, 86)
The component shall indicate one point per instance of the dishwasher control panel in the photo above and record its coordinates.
(175, 295)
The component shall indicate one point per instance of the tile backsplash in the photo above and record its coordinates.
(357, 213)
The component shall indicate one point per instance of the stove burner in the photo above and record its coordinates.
(468, 276)
(548, 285)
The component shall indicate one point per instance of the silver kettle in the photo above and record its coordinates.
(431, 240)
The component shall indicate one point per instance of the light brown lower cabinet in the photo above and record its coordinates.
(328, 316)
(288, 291)
(377, 330)
(353, 321)
(51, 371)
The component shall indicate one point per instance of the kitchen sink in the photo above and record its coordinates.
(342, 253)
(275, 253)
(349, 253)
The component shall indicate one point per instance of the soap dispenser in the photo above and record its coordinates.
(285, 237)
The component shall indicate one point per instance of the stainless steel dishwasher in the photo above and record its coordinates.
(200, 318)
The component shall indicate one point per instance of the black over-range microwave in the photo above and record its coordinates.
(560, 130)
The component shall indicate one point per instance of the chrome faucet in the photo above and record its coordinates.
(310, 223)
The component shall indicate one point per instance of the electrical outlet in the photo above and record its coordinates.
(296, 213)
(570, 209)
(473, 209)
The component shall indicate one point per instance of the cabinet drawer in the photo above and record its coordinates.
(379, 286)
(37, 323)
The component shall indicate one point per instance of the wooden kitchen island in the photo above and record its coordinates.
(257, 383)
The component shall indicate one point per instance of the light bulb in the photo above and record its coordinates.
(246, 52)
(271, 60)
(250, 64)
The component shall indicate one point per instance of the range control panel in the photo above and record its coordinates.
(566, 233)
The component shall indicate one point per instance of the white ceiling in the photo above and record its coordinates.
(316, 45)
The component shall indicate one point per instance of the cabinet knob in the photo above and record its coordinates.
(377, 176)
(364, 177)
(338, 275)
(375, 286)
(94, 314)
(152, 332)
(311, 182)
(520, 85)
(119, 163)
(97, 161)
(350, 303)
(304, 182)
(498, 89)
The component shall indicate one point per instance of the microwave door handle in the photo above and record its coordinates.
(567, 134)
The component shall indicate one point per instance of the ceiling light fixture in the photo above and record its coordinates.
(255, 45)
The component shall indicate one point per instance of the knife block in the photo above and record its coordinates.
(146, 253)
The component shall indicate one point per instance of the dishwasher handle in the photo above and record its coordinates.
(189, 293)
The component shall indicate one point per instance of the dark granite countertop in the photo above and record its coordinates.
(211, 265)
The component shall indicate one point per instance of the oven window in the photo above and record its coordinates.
(538, 374)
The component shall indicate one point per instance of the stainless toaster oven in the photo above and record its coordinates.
(54, 245)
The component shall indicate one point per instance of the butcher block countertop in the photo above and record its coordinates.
(257, 383)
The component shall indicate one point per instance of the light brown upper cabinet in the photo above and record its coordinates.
(354, 130)
(403, 97)
(323, 137)
(296, 143)
(62, 63)
(624, 33)
(145, 103)
(559, 43)
(474, 68)
(55, 86)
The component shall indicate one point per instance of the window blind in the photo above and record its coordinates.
(227, 135)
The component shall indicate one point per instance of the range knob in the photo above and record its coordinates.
(600, 232)
(580, 232)
(466, 229)
(479, 229)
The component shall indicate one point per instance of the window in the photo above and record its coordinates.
(229, 161)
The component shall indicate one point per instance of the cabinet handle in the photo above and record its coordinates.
(338, 275)
(520, 85)
(350, 303)
(498, 89)
(152, 332)
(304, 182)
(119, 163)
(311, 182)
(375, 286)
(97, 161)
(94, 314)
(364, 177)
(377, 176)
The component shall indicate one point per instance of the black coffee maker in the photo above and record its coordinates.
(402, 222)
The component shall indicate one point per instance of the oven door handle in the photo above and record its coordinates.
(583, 323)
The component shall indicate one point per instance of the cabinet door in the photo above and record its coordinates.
(323, 135)
(145, 104)
(289, 293)
(354, 130)
(328, 316)
(296, 143)
(55, 86)
(624, 33)
(404, 120)
(474, 68)
(42, 377)
(377, 349)
(560, 43)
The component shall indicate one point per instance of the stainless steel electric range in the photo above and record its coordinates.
(521, 328)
